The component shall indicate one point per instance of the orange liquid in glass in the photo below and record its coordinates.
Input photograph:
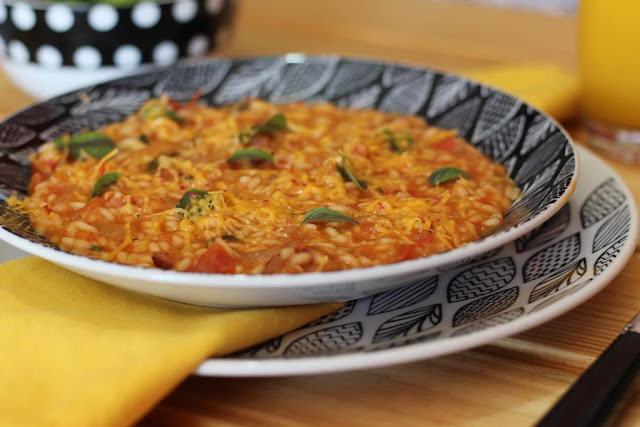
(609, 51)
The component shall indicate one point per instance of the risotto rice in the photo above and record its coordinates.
(257, 188)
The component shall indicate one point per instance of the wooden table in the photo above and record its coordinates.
(510, 382)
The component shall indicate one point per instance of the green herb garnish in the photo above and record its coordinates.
(347, 173)
(400, 141)
(152, 167)
(446, 174)
(95, 144)
(154, 109)
(276, 123)
(96, 248)
(104, 182)
(185, 201)
(245, 135)
(326, 215)
(144, 138)
(174, 116)
(250, 154)
(229, 238)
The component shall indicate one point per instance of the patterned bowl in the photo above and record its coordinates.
(51, 48)
(536, 152)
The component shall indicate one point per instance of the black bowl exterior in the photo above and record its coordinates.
(89, 36)
(535, 151)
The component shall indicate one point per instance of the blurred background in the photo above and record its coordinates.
(454, 34)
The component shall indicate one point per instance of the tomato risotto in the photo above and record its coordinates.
(258, 188)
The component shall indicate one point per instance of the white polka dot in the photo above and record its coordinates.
(214, 6)
(198, 45)
(48, 56)
(18, 52)
(59, 18)
(127, 56)
(102, 17)
(184, 10)
(165, 53)
(23, 16)
(146, 14)
(87, 57)
(3, 12)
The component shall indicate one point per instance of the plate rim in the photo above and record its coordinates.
(224, 367)
(302, 280)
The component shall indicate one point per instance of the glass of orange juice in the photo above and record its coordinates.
(609, 52)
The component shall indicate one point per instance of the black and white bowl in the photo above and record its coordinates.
(54, 47)
(535, 151)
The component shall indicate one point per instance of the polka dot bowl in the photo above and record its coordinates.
(49, 48)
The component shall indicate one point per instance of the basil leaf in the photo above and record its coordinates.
(144, 138)
(104, 182)
(250, 154)
(245, 135)
(174, 116)
(96, 248)
(153, 110)
(95, 144)
(446, 174)
(327, 215)
(188, 195)
(400, 141)
(273, 125)
(347, 173)
(152, 167)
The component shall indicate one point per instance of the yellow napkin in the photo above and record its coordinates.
(77, 352)
(547, 87)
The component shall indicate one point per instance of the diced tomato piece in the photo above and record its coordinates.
(361, 150)
(365, 231)
(194, 99)
(447, 144)
(406, 252)
(36, 179)
(45, 167)
(216, 259)
(174, 105)
(423, 238)
(162, 260)
(421, 241)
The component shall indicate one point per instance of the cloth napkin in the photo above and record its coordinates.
(552, 89)
(77, 352)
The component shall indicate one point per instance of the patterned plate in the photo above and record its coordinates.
(541, 275)
(535, 151)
